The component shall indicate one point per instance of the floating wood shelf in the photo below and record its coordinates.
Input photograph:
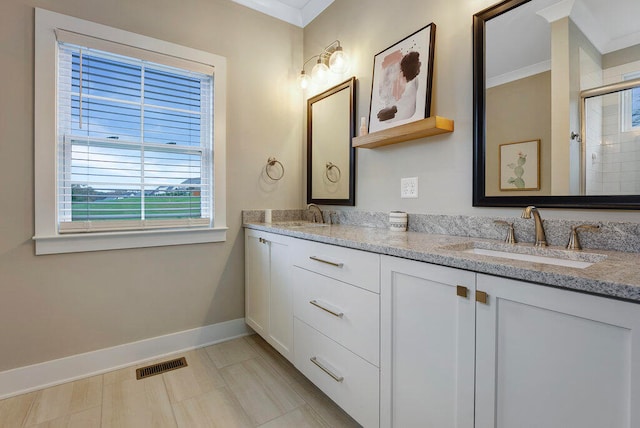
(433, 125)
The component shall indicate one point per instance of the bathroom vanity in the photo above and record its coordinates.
(413, 329)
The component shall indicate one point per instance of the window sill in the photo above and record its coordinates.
(82, 242)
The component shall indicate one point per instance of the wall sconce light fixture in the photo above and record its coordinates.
(334, 56)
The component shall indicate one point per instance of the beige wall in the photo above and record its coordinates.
(59, 305)
(575, 62)
(519, 111)
(622, 56)
(443, 164)
(560, 106)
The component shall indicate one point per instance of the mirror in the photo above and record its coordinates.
(557, 104)
(330, 156)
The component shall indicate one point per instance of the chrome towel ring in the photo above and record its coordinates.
(328, 169)
(270, 163)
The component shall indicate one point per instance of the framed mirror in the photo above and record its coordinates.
(557, 104)
(331, 124)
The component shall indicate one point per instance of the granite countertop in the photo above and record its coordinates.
(617, 275)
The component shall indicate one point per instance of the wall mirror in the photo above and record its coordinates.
(330, 156)
(557, 104)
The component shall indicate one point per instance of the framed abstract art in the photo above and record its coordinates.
(402, 81)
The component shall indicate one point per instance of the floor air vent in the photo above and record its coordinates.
(160, 368)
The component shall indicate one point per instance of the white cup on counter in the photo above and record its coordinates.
(398, 221)
(267, 216)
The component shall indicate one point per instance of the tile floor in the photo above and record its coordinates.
(239, 383)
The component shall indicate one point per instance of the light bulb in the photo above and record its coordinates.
(304, 80)
(320, 73)
(339, 61)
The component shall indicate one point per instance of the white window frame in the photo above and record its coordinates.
(47, 238)
(627, 105)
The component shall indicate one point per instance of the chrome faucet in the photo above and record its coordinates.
(314, 214)
(541, 239)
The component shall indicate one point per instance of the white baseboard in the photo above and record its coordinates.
(50, 373)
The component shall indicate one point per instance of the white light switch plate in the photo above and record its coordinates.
(409, 187)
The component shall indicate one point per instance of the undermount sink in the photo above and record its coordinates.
(299, 224)
(550, 256)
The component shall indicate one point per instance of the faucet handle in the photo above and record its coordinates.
(510, 239)
(526, 212)
(574, 242)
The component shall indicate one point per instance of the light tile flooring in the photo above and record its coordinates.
(239, 383)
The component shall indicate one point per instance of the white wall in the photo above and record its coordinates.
(591, 77)
(619, 150)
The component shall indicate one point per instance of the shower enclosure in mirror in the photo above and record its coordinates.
(566, 73)
(330, 156)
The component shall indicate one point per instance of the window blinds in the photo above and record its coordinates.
(134, 143)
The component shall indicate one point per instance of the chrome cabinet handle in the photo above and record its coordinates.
(335, 377)
(318, 305)
(316, 258)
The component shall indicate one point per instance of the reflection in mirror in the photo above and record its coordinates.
(330, 156)
(611, 137)
(552, 70)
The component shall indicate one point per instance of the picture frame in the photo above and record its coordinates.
(402, 81)
(519, 165)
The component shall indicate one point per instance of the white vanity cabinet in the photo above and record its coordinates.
(268, 291)
(336, 325)
(401, 343)
(524, 355)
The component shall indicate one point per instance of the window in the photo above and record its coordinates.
(631, 105)
(130, 136)
(635, 107)
(134, 143)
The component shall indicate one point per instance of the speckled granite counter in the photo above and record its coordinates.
(616, 276)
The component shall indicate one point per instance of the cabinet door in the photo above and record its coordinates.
(280, 296)
(256, 288)
(554, 358)
(268, 290)
(427, 345)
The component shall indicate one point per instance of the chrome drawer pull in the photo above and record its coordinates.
(318, 305)
(326, 261)
(335, 377)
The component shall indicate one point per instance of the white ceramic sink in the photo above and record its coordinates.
(527, 253)
(531, 258)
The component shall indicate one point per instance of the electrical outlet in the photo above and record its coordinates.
(409, 187)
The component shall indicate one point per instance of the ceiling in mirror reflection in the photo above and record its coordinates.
(519, 42)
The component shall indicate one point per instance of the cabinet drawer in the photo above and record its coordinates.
(346, 314)
(345, 264)
(346, 378)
